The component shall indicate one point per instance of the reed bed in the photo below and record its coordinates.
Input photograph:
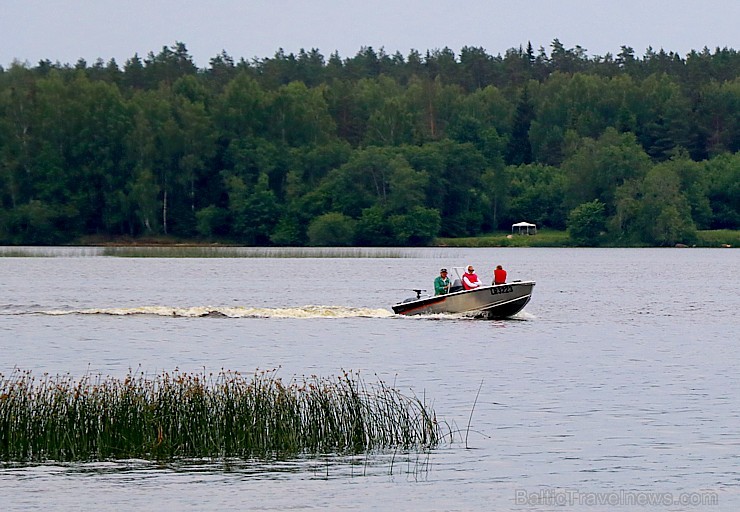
(221, 252)
(47, 252)
(185, 415)
(259, 252)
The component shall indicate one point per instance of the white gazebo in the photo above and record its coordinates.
(524, 228)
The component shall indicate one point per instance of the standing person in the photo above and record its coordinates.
(470, 279)
(499, 275)
(442, 283)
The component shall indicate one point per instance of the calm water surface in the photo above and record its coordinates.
(618, 381)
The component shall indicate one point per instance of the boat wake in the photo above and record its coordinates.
(310, 311)
(232, 312)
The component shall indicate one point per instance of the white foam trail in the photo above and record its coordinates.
(310, 311)
(523, 315)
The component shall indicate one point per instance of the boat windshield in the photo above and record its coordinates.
(457, 273)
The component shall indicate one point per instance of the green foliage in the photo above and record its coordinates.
(254, 210)
(537, 194)
(664, 215)
(586, 223)
(212, 221)
(35, 223)
(723, 190)
(255, 152)
(331, 229)
(520, 146)
(418, 227)
(299, 115)
(143, 195)
(654, 210)
(373, 227)
(288, 231)
(598, 167)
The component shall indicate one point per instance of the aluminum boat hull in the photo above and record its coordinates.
(498, 301)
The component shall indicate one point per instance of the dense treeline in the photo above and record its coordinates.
(376, 149)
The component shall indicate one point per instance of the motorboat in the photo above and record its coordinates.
(492, 302)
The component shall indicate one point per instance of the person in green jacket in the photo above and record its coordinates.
(442, 283)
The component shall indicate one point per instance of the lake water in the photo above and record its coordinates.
(616, 386)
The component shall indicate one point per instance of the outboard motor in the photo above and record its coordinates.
(418, 296)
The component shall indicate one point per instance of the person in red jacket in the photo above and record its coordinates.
(470, 279)
(499, 275)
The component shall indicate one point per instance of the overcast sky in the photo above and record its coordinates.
(67, 30)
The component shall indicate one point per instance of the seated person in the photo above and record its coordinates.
(499, 275)
(442, 283)
(470, 279)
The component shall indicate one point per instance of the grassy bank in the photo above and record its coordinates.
(171, 248)
(553, 238)
(718, 238)
(543, 238)
(198, 415)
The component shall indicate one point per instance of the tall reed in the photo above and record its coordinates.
(204, 415)
(259, 252)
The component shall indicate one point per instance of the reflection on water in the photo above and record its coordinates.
(415, 465)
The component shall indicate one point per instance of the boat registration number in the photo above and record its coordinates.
(502, 289)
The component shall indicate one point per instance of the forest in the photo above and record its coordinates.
(377, 149)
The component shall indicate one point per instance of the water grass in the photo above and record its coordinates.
(183, 415)
(258, 252)
(185, 251)
(46, 252)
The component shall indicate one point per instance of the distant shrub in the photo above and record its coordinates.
(331, 229)
(586, 222)
(212, 221)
